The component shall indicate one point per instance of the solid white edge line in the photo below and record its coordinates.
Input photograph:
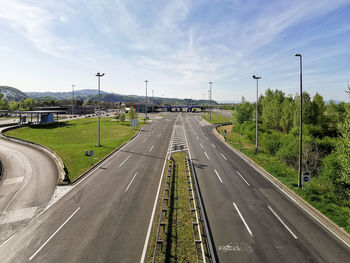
(206, 155)
(130, 182)
(275, 214)
(218, 176)
(244, 222)
(223, 156)
(48, 240)
(143, 256)
(291, 198)
(120, 165)
(3, 244)
(151, 148)
(242, 178)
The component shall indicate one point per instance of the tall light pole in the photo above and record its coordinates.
(99, 75)
(210, 83)
(146, 81)
(256, 115)
(73, 99)
(301, 122)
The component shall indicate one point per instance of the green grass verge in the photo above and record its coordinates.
(318, 194)
(71, 138)
(216, 118)
(178, 235)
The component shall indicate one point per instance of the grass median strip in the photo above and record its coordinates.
(177, 235)
(71, 138)
(216, 118)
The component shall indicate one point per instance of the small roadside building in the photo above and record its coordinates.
(39, 116)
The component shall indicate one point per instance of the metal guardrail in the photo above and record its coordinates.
(210, 243)
(197, 236)
(164, 211)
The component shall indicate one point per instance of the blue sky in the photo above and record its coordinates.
(179, 46)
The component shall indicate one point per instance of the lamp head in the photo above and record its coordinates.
(256, 77)
(298, 55)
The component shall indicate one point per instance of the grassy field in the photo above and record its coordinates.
(216, 118)
(317, 194)
(178, 236)
(71, 138)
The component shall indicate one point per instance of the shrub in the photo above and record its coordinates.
(271, 142)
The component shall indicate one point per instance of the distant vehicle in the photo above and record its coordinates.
(127, 110)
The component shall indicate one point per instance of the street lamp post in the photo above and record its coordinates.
(73, 99)
(301, 122)
(210, 83)
(256, 113)
(99, 75)
(146, 81)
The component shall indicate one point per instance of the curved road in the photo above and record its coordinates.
(27, 185)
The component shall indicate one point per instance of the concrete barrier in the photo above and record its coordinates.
(62, 171)
(1, 170)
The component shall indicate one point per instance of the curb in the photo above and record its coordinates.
(62, 174)
(104, 158)
(339, 232)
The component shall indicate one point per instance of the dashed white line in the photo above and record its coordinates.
(159, 135)
(223, 156)
(3, 244)
(47, 241)
(290, 231)
(197, 138)
(213, 145)
(242, 178)
(130, 183)
(242, 218)
(218, 176)
(151, 148)
(207, 138)
(120, 165)
(206, 155)
(201, 145)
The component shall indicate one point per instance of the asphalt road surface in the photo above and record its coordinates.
(105, 217)
(250, 219)
(26, 188)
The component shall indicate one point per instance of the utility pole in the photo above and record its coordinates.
(301, 122)
(146, 81)
(210, 83)
(99, 75)
(256, 114)
(73, 99)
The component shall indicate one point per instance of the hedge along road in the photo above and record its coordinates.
(26, 187)
(71, 138)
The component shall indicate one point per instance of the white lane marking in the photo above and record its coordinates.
(159, 135)
(218, 176)
(242, 178)
(145, 140)
(154, 206)
(291, 198)
(244, 222)
(214, 147)
(201, 145)
(47, 241)
(207, 138)
(151, 148)
(223, 156)
(120, 165)
(206, 155)
(13, 180)
(3, 244)
(197, 138)
(130, 183)
(275, 214)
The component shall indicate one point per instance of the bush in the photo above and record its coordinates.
(271, 142)
(289, 150)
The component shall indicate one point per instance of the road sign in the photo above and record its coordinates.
(306, 177)
(91, 153)
(134, 122)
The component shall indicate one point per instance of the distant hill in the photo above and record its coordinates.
(83, 94)
(12, 93)
(92, 94)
